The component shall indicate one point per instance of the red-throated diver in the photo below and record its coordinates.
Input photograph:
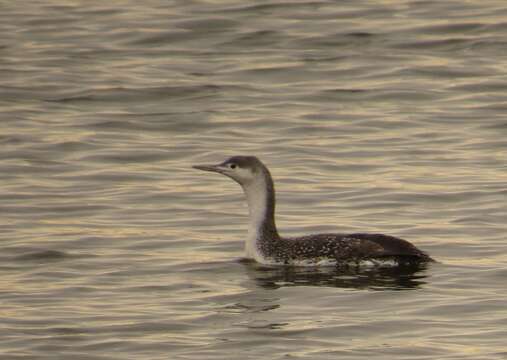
(265, 245)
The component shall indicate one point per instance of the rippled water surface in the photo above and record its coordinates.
(379, 116)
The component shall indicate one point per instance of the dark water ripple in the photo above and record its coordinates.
(381, 116)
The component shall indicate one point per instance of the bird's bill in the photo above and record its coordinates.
(212, 168)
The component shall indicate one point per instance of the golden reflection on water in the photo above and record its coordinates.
(382, 116)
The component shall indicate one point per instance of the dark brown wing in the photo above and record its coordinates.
(351, 247)
(392, 246)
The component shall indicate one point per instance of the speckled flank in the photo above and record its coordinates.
(266, 246)
(343, 249)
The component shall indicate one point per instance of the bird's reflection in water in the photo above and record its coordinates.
(371, 278)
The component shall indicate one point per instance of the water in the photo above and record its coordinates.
(379, 116)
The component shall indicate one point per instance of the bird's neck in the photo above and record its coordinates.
(262, 232)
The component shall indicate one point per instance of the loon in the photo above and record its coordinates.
(266, 246)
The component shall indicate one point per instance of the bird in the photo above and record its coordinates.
(264, 244)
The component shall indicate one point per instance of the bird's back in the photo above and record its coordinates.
(346, 249)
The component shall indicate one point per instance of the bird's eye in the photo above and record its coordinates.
(232, 166)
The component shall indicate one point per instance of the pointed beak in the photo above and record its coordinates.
(213, 168)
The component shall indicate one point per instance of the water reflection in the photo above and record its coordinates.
(371, 278)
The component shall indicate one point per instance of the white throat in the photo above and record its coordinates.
(256, 196)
